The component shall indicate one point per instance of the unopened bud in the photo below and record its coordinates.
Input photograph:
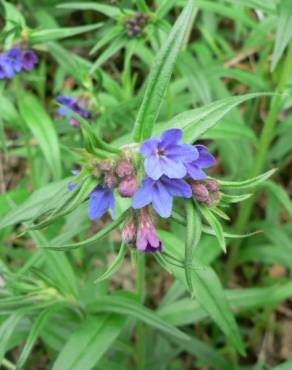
(128, 186)
(212, 185)
(129, 232)
(200, 192)
(124, 168)
(106, 165)
(110, 180)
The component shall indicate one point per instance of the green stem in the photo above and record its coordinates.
(265, 140)
(9, 365)
(140, 288)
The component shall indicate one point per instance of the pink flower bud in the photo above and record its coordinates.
(106, 165)
(147, 238)
(200, 192)
(128, 186)
(110, 180)
(212, 185)
(129, 232)
(124, 168)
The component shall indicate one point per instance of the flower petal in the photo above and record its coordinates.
(149, 147)
(205, 159)
(182, 152)
(177, 187)
(154, 167)
(143, 196)
(171, 137)
(161, 200)
(195, 172)
(172, 168)
(99, 202)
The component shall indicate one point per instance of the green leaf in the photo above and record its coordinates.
(284, 31)
(160, 75)
(130, 307)
(187, 311)
(88, 344)
(114, 267)
(246, 184)
(35, 332)
(99, 235)
(280, 194)
(43, 129)
(108, 10)
(193, 236)
(197, 122)
(6, 330)
(40, 201)
(36, 37)
(215, 225)
(207, 289)
(287, 365)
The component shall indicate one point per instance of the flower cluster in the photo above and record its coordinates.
(172, 168)
(74, 105)
(16, 60)
(135, 25)
(111, 175)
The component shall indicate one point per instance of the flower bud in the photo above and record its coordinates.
(200, 192)
(106, 165)
(212, 185)
(124, 168)
(147, 238)
(129, 232)
(128, 186)
(110, 180)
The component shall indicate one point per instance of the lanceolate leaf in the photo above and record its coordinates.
(87, 345)
(130, 307)
(246, 184)
(43, 129)
(59, 33)
(108, 10)
(160, 76)
(284, 31)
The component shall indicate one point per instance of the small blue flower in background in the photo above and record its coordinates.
(166, 156)
(101, 199)
(160, 194)
(205, 160)
(16, 60)
(75, 106)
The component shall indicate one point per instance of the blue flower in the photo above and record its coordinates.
(73, 105)
(166, 156)
(160, 193)
(205, 160)
(13, 59)
(101, 199)
(6, 70)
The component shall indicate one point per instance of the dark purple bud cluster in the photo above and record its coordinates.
(135, 25)
(16, 60)
(206, 191)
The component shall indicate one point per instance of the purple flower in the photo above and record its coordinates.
(160, 193)
(100, 200)
(71, 184)
(13, 59)
(29, 59)
(73, 105)
(205, 160)
(166, 156)
(147, 238)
